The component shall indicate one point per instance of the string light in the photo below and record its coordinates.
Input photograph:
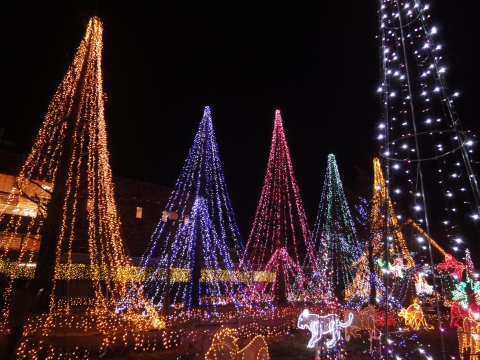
(280, 225)
(414, 317)
(320, 325)
(198, 236)
(225, 344)
(68, 178)
(335, 238)
(360, 289)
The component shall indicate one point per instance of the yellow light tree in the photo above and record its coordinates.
(371, 264)
(382, 204)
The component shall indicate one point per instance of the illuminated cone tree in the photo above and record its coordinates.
(67, 183)
(334, 236)
(191, 245)
(280, 226)
(372, 263)
(428, 155)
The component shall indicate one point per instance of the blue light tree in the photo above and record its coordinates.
(197, 241)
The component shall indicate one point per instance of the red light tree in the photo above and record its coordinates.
(280, 227)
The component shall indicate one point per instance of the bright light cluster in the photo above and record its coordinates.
(429, 153)
(336, 243)
(68, 176)
(280, 224)
(414, 318)
(398, 251)
(225, 344)
(76, 117)
(196, 232)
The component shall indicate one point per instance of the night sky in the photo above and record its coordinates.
(316, 61)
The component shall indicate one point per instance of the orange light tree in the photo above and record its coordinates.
(372, 264)
(68, 177)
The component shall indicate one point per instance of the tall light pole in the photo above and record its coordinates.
(170, 218)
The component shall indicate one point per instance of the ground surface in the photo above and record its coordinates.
(293, 345)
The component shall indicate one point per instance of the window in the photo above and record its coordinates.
(23, 197)
(139, 213)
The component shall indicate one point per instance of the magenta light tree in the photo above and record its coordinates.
(280, 233)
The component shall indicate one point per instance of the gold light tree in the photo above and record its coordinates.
(382, 208)
(67, 177)
(374, 259)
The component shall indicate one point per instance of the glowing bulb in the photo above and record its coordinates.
(434, 30)
(442, 70)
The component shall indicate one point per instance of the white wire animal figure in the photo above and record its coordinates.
(322, 325)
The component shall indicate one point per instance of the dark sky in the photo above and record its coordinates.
(316, 61)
